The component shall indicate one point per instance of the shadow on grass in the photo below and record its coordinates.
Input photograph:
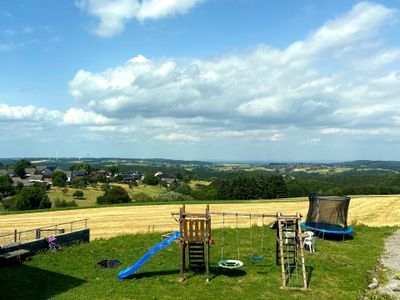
(152, 274)
(26, 282)
(309, 271)
(215, 272)
(336, 237)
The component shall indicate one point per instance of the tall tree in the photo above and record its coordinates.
(59, 179)
(6, 187)
(20, 166)
(150, 179)
(113, 169)
(115, 194)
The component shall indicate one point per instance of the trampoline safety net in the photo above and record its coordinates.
(328, 212)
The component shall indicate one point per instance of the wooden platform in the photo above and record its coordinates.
(15, 255)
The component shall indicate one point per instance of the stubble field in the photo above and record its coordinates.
(113, 221)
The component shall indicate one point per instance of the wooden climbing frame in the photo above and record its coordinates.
(195, 233)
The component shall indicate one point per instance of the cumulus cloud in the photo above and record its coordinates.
(114, 14)
(75, 116)
(28, 113)
(341, 83)
(313, 84)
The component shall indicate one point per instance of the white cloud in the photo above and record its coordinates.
(28, 113)
(265, 94)
(177, 137)
(341, 34)
(75, 116)
(339, 85)
(114, 14)
(357, 131)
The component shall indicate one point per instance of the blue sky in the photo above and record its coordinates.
(200, 79)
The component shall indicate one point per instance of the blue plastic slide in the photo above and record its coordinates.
(132, 269)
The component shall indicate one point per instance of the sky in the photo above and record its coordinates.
(239, 80)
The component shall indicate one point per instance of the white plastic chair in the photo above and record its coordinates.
(309, 233)
(310, 243)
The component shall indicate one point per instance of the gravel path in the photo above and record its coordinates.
(391, 261)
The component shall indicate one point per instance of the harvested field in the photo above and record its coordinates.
(112, 221)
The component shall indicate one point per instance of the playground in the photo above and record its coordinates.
(336, 270)
(207, 250)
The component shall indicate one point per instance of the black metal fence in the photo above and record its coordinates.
(41, 232)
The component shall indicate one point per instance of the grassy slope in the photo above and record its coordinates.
(339, 270)
(91, 193)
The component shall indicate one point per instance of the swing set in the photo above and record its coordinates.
(195, 235)
(231, 263)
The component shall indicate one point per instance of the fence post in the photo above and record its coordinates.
(38, 233)
(15, 235)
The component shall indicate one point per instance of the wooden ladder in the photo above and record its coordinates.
(289, 251)
(196, 255)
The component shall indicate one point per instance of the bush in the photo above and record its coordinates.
(150, 179)
(63, 203)
(131, 184)
(31, 198)
(114, 194)
(59, 179)
(6, 187)
(173, 196)
(142, 197)
(105, 187)
(183, 188)
(8, 203)
(78, 194)
(78, 183)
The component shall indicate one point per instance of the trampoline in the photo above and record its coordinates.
(328, 215)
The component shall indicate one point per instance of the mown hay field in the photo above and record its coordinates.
(112, 221)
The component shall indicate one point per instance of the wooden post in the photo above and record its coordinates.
(182, 242)
(280, 235)
(300, 239)
(15, 235)
(207, 241)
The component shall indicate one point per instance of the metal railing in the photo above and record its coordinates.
(41, 232)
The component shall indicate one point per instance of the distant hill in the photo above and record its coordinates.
(372, 164)
(210, 169)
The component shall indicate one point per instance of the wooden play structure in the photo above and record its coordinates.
(195, 235)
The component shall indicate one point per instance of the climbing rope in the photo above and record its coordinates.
(251, 237)
(237, 236)
(223, 236)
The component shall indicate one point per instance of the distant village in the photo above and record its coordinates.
(44, 174)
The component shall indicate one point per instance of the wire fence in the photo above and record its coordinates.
(42, 232)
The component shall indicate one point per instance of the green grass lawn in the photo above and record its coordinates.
(89, 199)
(91, 193)
(338, 270)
